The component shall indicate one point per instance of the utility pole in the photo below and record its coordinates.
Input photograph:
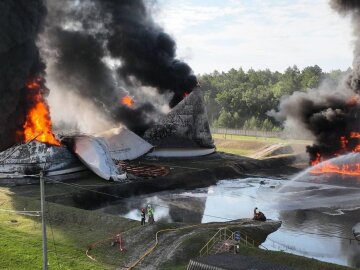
(43, 222)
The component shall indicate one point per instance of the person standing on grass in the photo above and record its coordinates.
(150, 212)
(142, 216)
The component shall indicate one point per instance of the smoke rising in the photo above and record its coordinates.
(82, 37)
(20, 23)
(146, 51)
(327, 113)
(330, 113)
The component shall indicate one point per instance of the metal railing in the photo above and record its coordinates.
(218, 236)
(226, 245)
(226, 238)
(246, 132)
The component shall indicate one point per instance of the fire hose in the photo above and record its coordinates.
(148, 252)
(93, 245)
(151, 249)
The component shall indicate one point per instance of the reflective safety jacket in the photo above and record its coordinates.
(150, 211)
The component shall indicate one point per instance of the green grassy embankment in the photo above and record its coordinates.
(249, 145)
(71, 229)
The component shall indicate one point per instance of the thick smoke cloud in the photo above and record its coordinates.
(328, 114)
(332, 112)
(81, 35)
(20, 23)
(352, 7)
(145, 50)
(80, 66)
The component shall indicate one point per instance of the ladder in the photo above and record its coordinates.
(224, 241)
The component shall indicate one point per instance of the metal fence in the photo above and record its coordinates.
(245, 132)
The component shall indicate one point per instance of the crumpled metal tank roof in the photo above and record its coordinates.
(124, 144)
(94, 153)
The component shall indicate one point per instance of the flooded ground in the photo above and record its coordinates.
(317, 218)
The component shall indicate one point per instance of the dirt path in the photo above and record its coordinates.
(267, 150)
(183, 243)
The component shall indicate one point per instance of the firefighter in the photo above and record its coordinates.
(258, 215)
(142, 216)
(150, 212)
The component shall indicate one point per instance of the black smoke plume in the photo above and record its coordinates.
(146, 51)
(84, 33)
(20, 23)
(331, 113)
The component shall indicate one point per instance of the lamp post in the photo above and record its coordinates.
(43, 221)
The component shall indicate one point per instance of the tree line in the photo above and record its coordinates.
(241, 99)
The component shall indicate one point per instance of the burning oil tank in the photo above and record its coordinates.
(26, 160)
(334, 183)
(184, 131)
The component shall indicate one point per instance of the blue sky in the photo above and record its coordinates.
(224, 34)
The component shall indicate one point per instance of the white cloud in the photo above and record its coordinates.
(258, 34)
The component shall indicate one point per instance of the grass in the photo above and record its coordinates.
(259, 139)
(22, 249)
(71, 229)
(249, 145)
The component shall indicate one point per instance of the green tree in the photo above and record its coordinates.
(225, 119)
(239, 98)
(311, 77)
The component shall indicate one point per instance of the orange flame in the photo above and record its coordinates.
(348, 143)
(345, 169)
(38, 124)
(353, 101)
(317, 160)
(128, 101)
(355, 135)
(344, 142)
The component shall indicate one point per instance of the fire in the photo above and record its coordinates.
(38, 124)
(355, 135)
(348, 143)
(353, 101)
(128, 101)
(344, 142)
(317, 160)
(345, 169)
